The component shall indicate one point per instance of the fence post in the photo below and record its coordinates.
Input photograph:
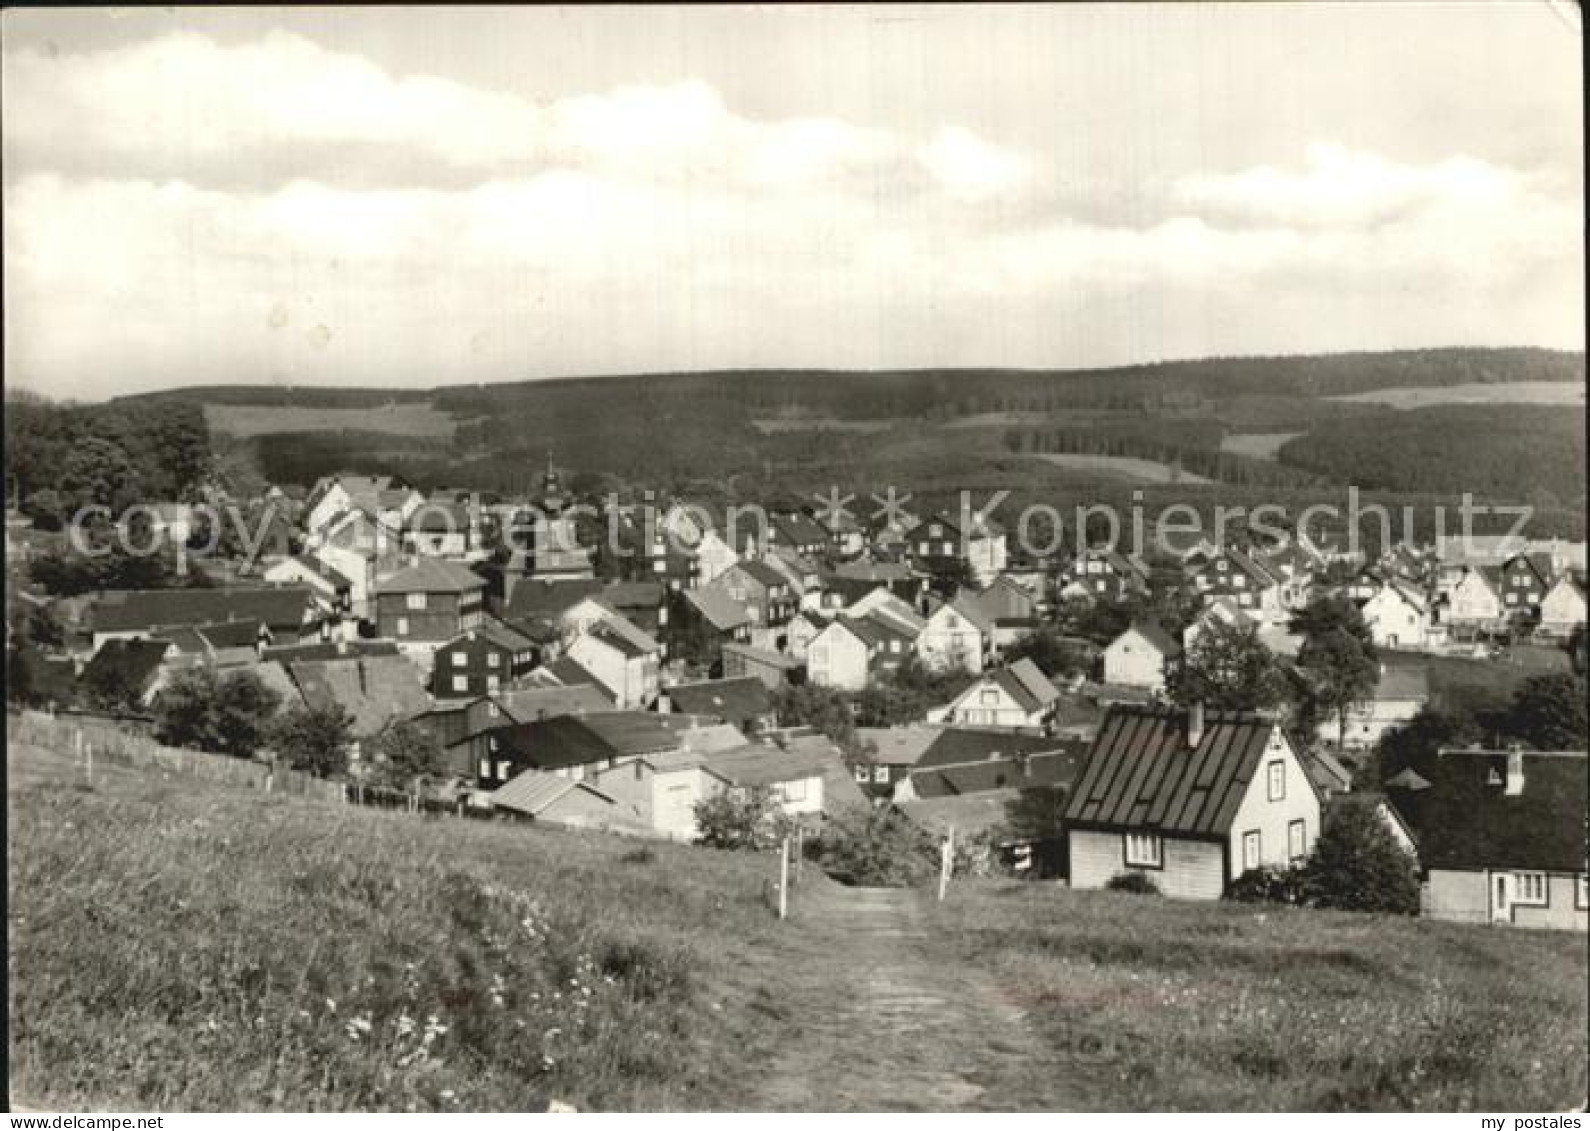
(783, 878)
(800, 851)
(946, 861)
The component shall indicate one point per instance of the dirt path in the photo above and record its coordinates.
(905, 1027)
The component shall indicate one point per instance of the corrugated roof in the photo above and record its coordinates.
(1141, 774)
(1464, 819)
(533, 792)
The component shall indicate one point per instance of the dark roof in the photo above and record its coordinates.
(754, 765)
(1141, 774)
(1025, 682)
(131, 663)
(1463, 819)
(330, 650)
(956, 746)
(761, 572)
(375, 690)
(798, 529)
(575, 740)
(571, 673)
(728, 699)
(1155, 635)
(717, 608)
(125, 610)
(1054, 768)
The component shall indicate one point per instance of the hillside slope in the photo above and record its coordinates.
(176, 945)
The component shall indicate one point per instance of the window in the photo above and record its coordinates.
(485, 767)
(862, 774)
(460, 683)
(880, 775)
(493, 660)
(492, 711)
(1296, 841)
(1581, 896)
(949, 549)
(794, 790)
(503, 769)
(1530, 887)
(415, 600)
(403, 626)
(926, 549)
(1143, 851)
(578, 773)
(493, 682)
(1277, 772)
(459, 659)
(989, 697)
(1251, 851)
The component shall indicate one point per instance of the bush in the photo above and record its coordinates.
(1269, 885)
(1357, 866)
(1138, 883)
(642, 855)
(880, 849)
(741, 818)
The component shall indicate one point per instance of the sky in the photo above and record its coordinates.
(423, 196)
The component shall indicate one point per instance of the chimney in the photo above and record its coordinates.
(1195, 726)
(1515, 771)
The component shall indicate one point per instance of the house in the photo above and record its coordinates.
(481, 661)
(970, 761)
(286, 612)
(938, 545)
(890, 755)
(743, 703)
(766, 595)
(773, 669)
(954, 636)
(1015, 696)
(333, 592)
(229, 644)
(795, 777)
(382, 498)
(1499, 835)
(1474, 601)
(657, 792)
(714, 555)
(1329, 776)
(850, 650)
(555, 800)
(1223, 611)
(376, 691)
(1006, 611)
(1400, 694)
(800, 532)
(443, 528)
(1232, 573)
(460, 726)
(803, 575)
(1525, 579)
(1138, 657)
(623, 659)
(725, 620)
(1104, 575)
(135, 668)
(1192, 800)
(360, 548)
(429, 602)
(804, 627)
(576, 746)
(1562, 609)
(1398, 616)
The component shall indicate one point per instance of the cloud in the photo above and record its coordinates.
(179, 210)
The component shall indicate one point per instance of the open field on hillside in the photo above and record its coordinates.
(1123, 467)
(769, 425)
(1259, 445)
(180, 945)
(1225, 1007)
(398, 419)
(1515, 392)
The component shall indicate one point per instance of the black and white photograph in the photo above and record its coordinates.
(845, 558)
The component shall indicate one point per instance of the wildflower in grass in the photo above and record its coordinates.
(405, 1025)
(331, 1005)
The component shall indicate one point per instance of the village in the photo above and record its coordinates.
(1094, 718)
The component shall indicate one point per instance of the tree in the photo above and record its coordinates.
(407, 757)
(878, 848)
(1415, 742)
(111, 687)
(44, 628)
(1548, 712)
(228, 714)
(99, 472)
(1228, 669)
(823, 708)
(1333, 613)
(741, 818)
(314, 739)
(1357, 865)
(947, 576)
(1578, 648)
(1053, 655)
(1340, 673)
(905, 694)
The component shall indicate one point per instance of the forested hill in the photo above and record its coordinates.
(861, 394)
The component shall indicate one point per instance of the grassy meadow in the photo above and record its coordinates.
(182, 945)
(1229, 1007)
